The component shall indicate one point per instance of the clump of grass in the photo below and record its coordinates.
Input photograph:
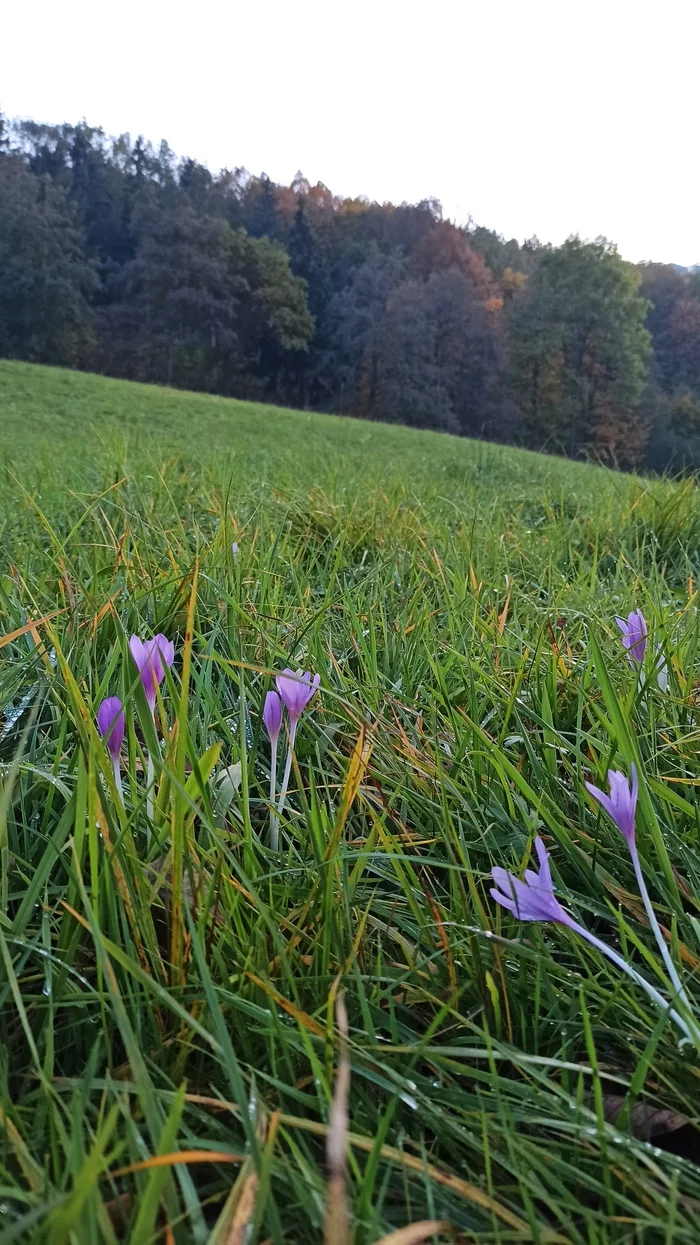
(169, 986)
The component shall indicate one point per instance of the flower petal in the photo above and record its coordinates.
(602, 798)
(166, 648)
(272, 714)
(503, 900)
(110, 724)
(138, 651)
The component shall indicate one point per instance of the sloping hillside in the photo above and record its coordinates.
(182, 908)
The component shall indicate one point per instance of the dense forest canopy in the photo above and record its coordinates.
(119, 258)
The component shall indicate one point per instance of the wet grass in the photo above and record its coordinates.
(169, 985)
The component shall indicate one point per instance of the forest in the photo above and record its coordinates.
(118, 258)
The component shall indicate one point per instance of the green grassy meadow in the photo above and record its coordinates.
(169, 986)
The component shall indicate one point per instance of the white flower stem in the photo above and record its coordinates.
(621, 963)
(663, 947)
(287, 768)
(118, 780)
(274, 827)
(150, 783)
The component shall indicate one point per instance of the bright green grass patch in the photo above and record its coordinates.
(446, 591)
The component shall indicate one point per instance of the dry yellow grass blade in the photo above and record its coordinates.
(243, 1199)
(178, 1156)
(356, 770)
(301, 1017)
(30, 626)
(30, 1170)
(415, 1232)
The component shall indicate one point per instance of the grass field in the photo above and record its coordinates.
(169, 984)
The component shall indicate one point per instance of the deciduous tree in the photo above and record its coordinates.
(579, 346)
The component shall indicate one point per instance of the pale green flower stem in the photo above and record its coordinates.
(118, 780)
(150, 785)
(287, 771)
(622, 964)
(662, 944)
(274, 825)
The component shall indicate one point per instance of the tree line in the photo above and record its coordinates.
(118, 258)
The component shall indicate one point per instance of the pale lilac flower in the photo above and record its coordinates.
(272, 715)
(110, 724)
(149, 656)
(235, 551)
(533, 899)
(296, 689)
(621, 804)
(634, 635)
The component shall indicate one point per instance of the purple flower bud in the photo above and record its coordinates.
(272, 714)
(110, 724)
(235, 551)
(533, 898)
(149, 656)
(296, 690)
(621, 804)
(634, 635)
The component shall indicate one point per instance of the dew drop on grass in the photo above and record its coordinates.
(248, 728)
(13, 713)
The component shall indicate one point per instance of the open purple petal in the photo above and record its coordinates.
(621, 804)
(602, 798)
(503, 900)
(634, 635)
(151, 657)
(166, 648)
(296, 689)
(532, 898)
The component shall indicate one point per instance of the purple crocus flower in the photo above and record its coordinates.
(272, 715)
(621, 804)
(110, 724)
(634, 635)
(533, 899)
(296, 689)
(149, 656)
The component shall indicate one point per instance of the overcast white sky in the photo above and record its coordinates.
(543, 117)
